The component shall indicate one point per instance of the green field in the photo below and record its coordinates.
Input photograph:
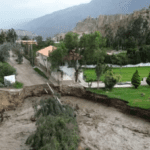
(126, 73)
(132, 95)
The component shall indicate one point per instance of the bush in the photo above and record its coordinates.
(18, 85)
(6, 70)
(111, 79)
(56, 127)
(148, 79)
(136, 79)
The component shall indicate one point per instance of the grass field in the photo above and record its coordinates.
(132, 95)
(126, 73)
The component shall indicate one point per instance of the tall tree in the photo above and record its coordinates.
(18, 50)
(71, 40)
(99, 70)
(4, 52)
(56, 57)
(25, 38)
(49, 41)
(3, 36)
(11, 35)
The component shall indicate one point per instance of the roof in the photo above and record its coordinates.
(45, 50)
(26, 41)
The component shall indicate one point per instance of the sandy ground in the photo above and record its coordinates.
(101, 127)
(26, 73)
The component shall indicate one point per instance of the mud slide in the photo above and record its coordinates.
(101, 127)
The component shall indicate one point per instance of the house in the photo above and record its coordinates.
(41, 62)
(29, 42)
(43, 55)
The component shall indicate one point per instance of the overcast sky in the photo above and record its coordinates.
(13, 11)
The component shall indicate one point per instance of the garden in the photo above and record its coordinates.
(139, 97)
(126, 73)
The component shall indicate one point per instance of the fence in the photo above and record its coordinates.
(116, 66)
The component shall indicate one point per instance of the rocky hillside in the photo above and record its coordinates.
(113, 21)
(65, 20)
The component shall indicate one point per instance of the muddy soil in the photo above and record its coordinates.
(105, 128)
(101, 127)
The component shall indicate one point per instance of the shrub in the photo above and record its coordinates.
(6, 70)
(111, 79)
(136, 79)
(148, 79)
(18, 85)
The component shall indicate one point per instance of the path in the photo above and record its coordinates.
(26, 73)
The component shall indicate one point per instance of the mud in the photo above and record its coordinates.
(104, 128)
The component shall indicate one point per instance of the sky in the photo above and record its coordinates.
(20, 11)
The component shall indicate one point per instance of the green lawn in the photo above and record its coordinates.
(132, 95)
(126, 73)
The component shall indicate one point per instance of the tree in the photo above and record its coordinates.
(4, 52)
(143, 54)
(99, 70)
(136, 79)
(26, 38)
(148, 38)
(94, 42)
(11, 36)
(148, 79)
(71, 40)
(111, 79)
(56, 57)
(3, 37)
(49, 41)
(39, 39)
(18, 50)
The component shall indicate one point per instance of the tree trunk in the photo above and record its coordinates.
(98, 82)
(76, 75)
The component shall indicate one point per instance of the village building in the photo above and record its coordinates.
(44, 64)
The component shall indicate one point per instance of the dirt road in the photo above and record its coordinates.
(101, 127)
(26, 73)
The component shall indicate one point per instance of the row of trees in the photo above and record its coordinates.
(136, 33)
(9, 36)
(90, 46)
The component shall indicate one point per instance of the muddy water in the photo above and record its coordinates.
(105, 128)
(101, 127)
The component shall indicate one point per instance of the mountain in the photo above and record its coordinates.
(65, 20)
(103, 22)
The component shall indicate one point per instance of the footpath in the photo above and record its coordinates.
(102, 85)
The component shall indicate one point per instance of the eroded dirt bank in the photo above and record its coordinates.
(101, 127)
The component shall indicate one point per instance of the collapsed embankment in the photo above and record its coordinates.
(10, 100)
